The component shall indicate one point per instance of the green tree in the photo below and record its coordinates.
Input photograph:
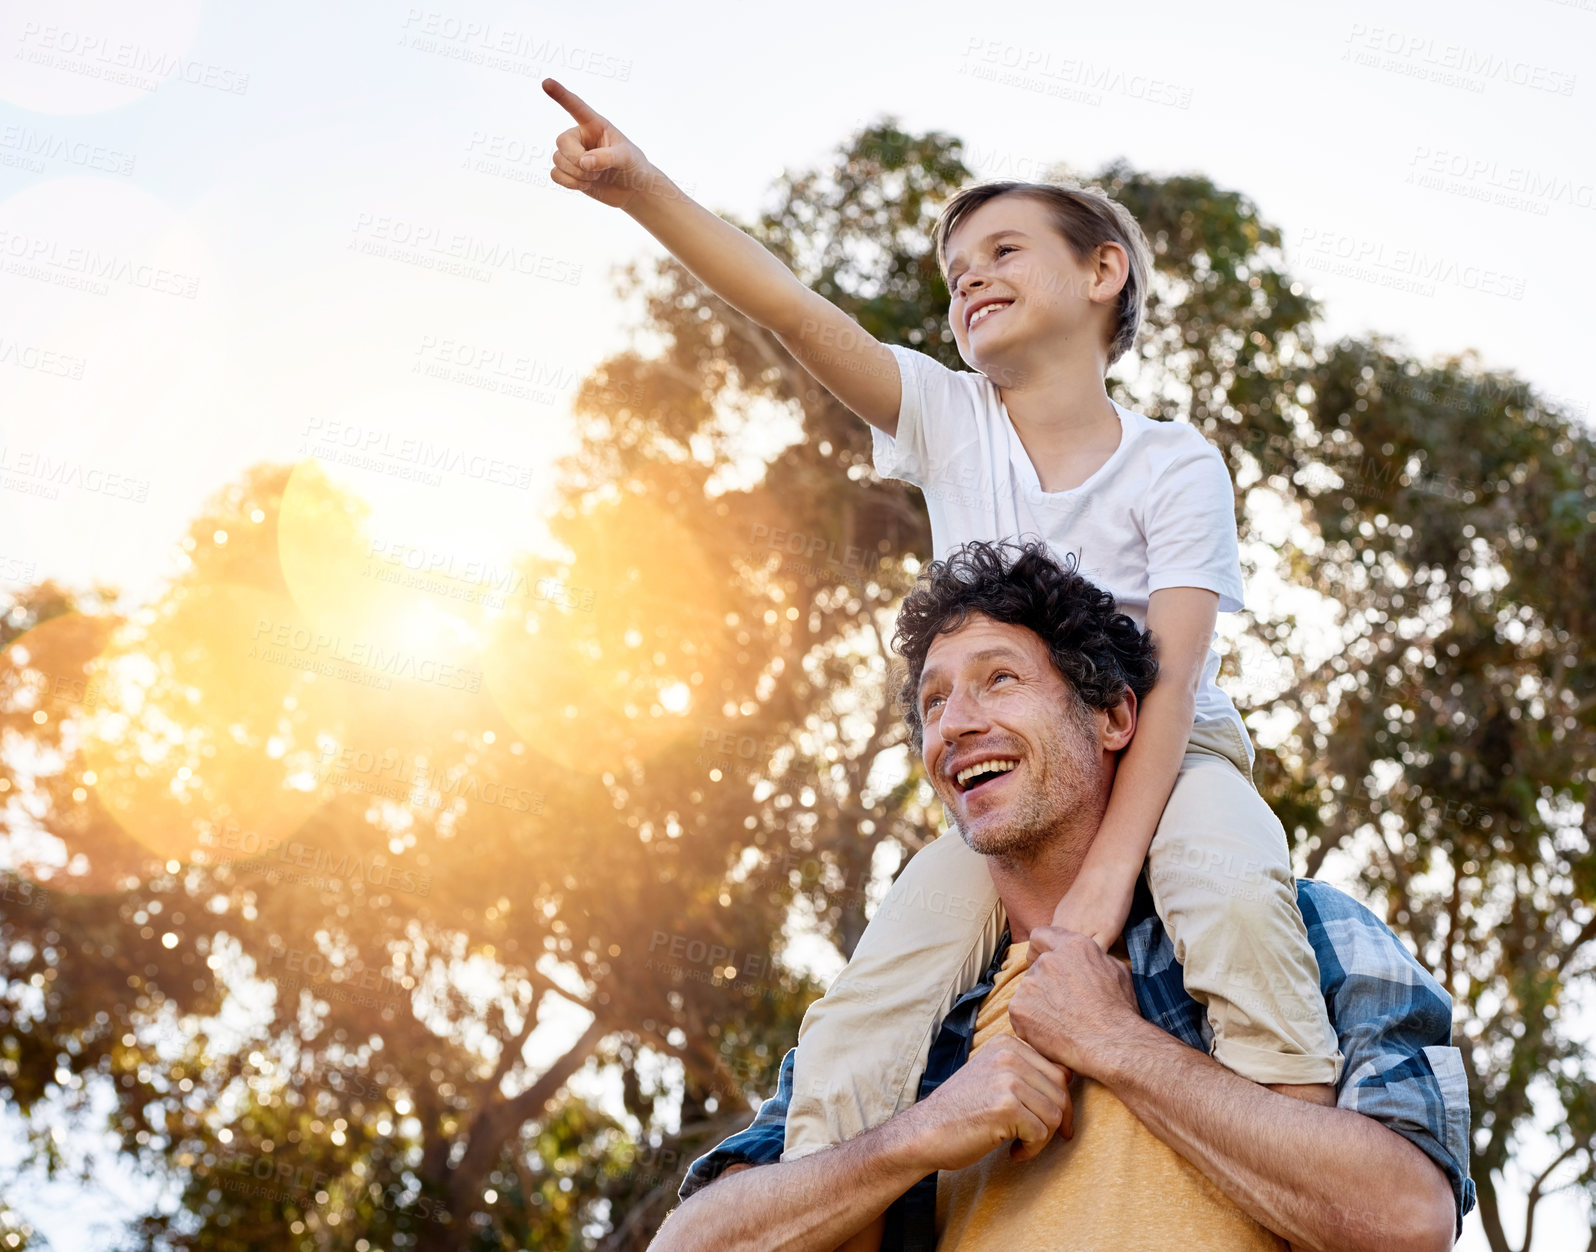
(700, 698)
(1450, 743)
(1445, 516)
(401, 861)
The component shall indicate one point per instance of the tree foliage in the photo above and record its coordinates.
(301, 923)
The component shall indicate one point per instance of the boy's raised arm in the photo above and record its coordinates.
(593, 157)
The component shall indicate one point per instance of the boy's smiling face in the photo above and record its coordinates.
(1016, 284)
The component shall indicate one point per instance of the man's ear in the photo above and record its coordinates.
(1119, 724)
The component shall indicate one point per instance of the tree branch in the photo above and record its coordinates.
(1535, 1191)
(500, 1118)
(1587, 932)
(511, 1050)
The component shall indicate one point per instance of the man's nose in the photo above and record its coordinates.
(961, 714)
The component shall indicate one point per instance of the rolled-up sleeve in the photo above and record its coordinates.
(1394, 1022)
(759, 1143)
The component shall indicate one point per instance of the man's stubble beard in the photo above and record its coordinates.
(1060, 796)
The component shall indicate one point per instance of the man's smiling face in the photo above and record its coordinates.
(1008, 746)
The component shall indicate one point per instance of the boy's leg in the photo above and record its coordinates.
(1221, 879)
(863, 1046)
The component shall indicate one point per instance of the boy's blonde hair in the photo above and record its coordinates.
(1086, 217)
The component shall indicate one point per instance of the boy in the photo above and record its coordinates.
(1047, 286)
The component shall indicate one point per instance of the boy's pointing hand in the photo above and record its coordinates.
(593, 157)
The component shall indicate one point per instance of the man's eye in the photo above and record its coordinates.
(1005, 247)
(931, 702)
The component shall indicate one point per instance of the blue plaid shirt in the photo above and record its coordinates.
(1393, 1020)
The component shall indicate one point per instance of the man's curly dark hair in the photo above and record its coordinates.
(1097, 649)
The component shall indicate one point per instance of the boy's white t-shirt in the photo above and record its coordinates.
(1159, 513)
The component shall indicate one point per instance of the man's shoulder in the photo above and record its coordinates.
(1332, 899)
(1346, 925)
(1348, 919)
(1361, 959)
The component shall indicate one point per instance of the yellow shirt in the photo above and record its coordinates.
(1114, 1187)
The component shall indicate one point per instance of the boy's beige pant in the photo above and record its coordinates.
(1221, 878)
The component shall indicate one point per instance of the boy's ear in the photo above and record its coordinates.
(1110, 271)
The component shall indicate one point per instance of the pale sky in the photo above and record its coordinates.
(224, 228)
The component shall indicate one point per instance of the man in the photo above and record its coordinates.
(1012, 658)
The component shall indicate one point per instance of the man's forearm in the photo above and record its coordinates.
(1323, 1178)
(735, 266)
(809, 1205)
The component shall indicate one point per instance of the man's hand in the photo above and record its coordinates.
(1075, 1003)
(593, 157)
(1007, 1091)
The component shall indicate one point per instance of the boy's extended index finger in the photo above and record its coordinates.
(572, 103)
